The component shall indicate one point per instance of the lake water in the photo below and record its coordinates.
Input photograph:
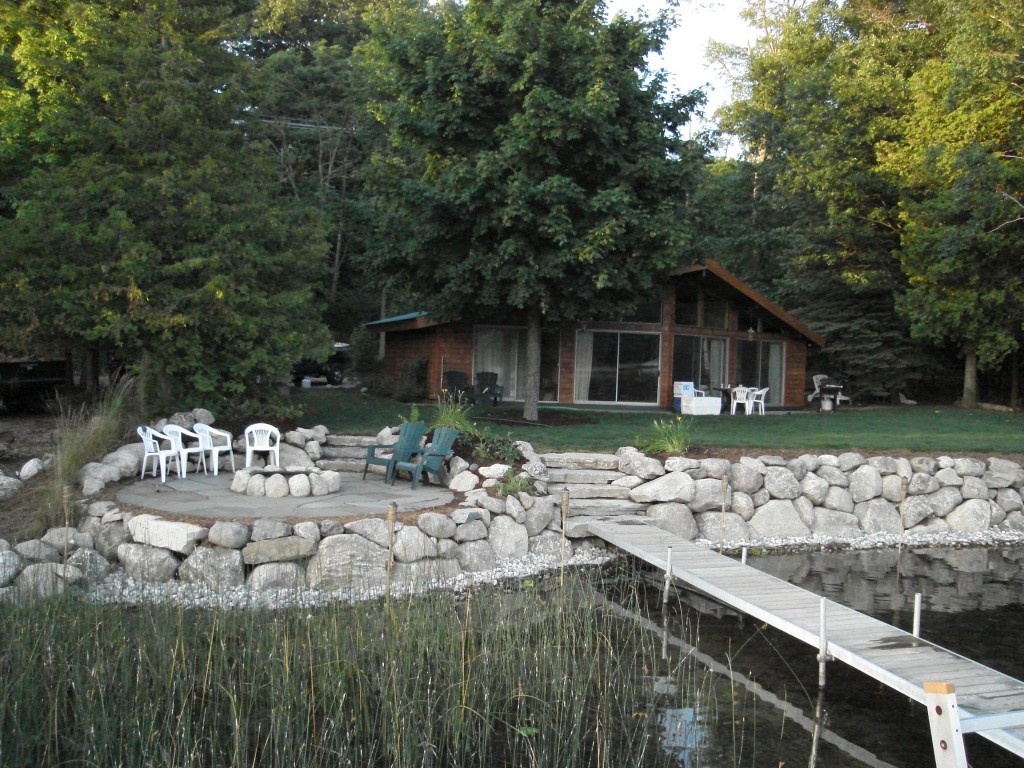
(733, 692)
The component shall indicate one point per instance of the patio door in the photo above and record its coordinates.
(614, 367)
(759, 364)
(700, 359)
(502, 350)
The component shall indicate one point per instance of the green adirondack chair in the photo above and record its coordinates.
(408, 445)
(430, 459)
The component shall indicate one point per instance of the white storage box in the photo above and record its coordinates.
(700, 406)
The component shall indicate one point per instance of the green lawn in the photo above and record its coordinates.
(918, 429)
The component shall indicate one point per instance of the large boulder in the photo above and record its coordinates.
(829, 523)
(878, 516)
(675, 518)
(166, 534)
(633, 462)
(778, 519)
(412, 544)
(675, 486)
(283, 550)
(277, 576)
(476, 556)
(229, 534)
(973, 516)
(708, 495)
(781, 483)
(145, 563)
(865, 483)
(508, 538)
(435, 524)
(744, 478)
(45, 580)
(717, 527)
(213, 566)
(347, 560)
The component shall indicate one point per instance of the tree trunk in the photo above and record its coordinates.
(970, 396)
(1014, 379)
(532, 394)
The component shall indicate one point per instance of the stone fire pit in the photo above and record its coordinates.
(278, 482)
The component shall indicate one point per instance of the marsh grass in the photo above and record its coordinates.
(85, 433)
(537, 677)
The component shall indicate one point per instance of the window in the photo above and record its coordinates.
(617, 367)
(759, 364)
(700, 309)
(503, 351)
(700, 359)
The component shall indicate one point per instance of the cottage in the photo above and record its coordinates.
(709, 327)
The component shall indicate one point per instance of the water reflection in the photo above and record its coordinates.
(949, 580)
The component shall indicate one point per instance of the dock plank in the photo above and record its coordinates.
(886, 653)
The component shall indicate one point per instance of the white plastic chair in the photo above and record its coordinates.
(739, 397)
(151, 442)
(209, 441)
(755, 401)
(177, 437)
(263, 438)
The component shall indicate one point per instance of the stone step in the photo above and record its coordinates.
(581, 460)
(351, 441)
(589, 476)
(579, 527)
(343, 452)
(591, 507)
(349, 465)
(589, 491)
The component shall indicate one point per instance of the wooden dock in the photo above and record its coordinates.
(890, 655)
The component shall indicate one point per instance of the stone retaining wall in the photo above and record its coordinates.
(825, 498)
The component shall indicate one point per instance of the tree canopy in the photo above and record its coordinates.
(886, 139)
(534, 161)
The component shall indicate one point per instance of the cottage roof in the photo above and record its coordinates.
(727, 277)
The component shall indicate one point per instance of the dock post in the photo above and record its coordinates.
(822, 646)
(944, 720)
(668, 576)
(743, 557)
(917, 615)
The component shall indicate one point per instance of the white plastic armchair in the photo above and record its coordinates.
(755, 401)
(739, 397)
(263, 438)
(151, 442)
(214, 442)
(177, 437)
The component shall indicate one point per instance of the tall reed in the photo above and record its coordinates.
(85, 433)
(540, 677)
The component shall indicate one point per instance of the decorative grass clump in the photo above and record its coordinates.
(666, 436)
(539, 677)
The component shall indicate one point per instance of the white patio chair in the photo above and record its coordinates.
(263, 438)
(210, 442)
(151, 442)
(739, 397)
(755, 401)
(177, 437)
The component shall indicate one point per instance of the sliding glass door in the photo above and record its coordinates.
(700, 359)
(502, 350)
(616, 367)
(759, 364)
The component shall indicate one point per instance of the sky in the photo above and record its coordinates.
(700, 21)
